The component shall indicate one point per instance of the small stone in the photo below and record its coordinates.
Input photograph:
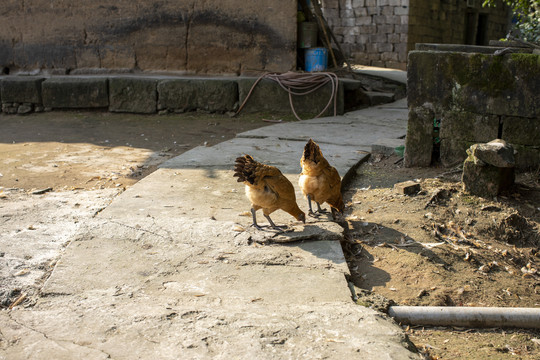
(407, 187)
(24, 109)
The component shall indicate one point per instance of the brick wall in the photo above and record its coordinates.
(381, 32)
(371, 32)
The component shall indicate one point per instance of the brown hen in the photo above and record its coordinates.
(319, 181)
(267, 189)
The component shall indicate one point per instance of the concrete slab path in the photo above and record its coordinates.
(172, 270)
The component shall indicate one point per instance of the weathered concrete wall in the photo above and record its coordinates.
(228, 36)
(477, 98)
(381, 32)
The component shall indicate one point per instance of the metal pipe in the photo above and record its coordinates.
(478, 317)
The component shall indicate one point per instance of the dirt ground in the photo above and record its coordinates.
(443, 247)
(96, 150)
(437, 247)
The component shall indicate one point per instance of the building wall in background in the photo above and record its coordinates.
(227, 36)
(381, 32)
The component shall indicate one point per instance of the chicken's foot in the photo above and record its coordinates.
(274, 226)
(319, 211)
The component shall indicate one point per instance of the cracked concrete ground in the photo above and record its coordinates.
(170, 269)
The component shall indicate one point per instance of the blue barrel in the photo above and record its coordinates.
(316, 59)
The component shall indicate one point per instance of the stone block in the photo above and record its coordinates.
(363, 20)
(134, 95)
(389, 56)
(368, 28)
(213, 95)
(393, 38)
(520, 130)
(393, 19)
(268, 95)
(360, 12)
(379, 19)
(467, 126)
(372, 10)
(425, 79)
(21, 89)
(385, 29)
(75, 93)
(387, 10)
(348, 13)
(385, 47)
(407, 187)
(485, 180)
(401, 10)
(419, 140)
(348, 22)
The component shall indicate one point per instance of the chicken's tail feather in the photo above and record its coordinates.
(244, 168)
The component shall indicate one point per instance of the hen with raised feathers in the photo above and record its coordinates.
(267, 189)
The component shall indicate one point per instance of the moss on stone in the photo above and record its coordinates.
(529, 63)
(487, 73)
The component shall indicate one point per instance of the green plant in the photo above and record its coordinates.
(527, 15)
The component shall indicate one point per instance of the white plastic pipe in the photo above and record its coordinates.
(478, 317)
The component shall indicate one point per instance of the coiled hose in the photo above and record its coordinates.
(300, 84)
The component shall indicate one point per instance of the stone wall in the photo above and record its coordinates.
(150, 94)
(78, 36)
(456, 22)
(472, 98)
(381, 32)
(370, 32)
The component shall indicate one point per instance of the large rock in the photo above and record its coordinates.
(497, 153)
(480, 176)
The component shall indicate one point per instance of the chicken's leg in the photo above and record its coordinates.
(334, 213)
(319, 209)
(255, 225)
(310, 212)
(274, 226)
